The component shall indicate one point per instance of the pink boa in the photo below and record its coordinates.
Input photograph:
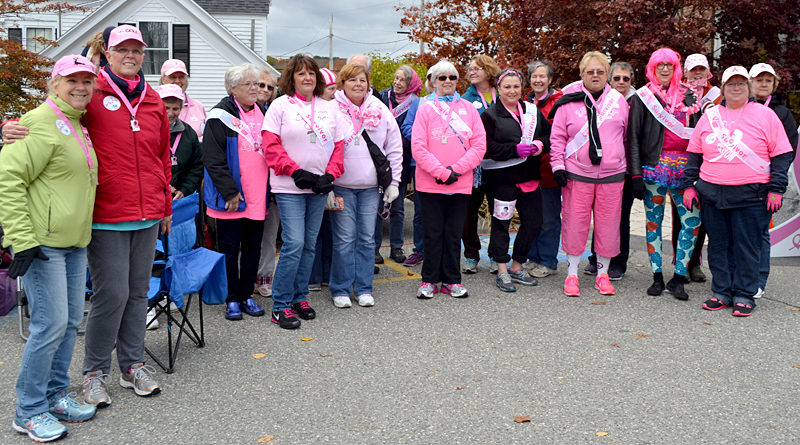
(673, 95)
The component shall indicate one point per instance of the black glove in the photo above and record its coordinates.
(304, 179)
(324, 184)
(23, 259)
(561, 177)
(453, 177)
(637, 187)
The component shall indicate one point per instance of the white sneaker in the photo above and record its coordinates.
(342, 302)
(540, 271)
(493, 266)
(366, 300)
(265, 290)
(151, 315)
(759, 293)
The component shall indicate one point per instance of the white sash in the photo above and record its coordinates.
(581, 138)
(323, 136)
(403, 107)
(232, 122)
(712, 95)
(729, 148)
(459, 127)
(663, 117)
(529, 120)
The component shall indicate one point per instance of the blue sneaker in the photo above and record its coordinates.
(64, 407)
(40, 428)
(470, 266)
(251, 308)
(233, 311)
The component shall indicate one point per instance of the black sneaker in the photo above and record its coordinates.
(304, 311)
(742, 310)
(378, 258)
(287, 319)
(590, 269)
(656, 288)
(397, 255)
(675, 287)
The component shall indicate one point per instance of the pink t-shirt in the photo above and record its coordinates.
(284, 119)
(755, 125)
(253, 168)
(194, 114)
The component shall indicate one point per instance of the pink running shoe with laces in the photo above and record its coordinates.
(603, 284)
(571, 288)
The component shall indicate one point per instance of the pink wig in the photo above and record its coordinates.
(666, 55)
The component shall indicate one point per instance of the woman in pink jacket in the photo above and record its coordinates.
(587, 154)
(447, 142)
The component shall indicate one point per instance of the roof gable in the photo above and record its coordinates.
(256, 7)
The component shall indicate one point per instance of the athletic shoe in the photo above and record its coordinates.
(314, 287)
(470, 266)
(413, 259)
(426, 290)
(455, 290)
(342, 302)
(656, 288)
(95, 389)
(64, 407)
(522, 277)
(615, 274)
(233, 311)
(602, 283)
(675, 287)
(264, 286)
(397, 255)
(140, 379)
(696, 274)
(504, 283)
(590, 269)
(571, 288)
(742, 310)
(286, 319)
(714, 304)
(152, 321)
(378, 258)
(251, 308)
(40, 428)
(540, 271)
(365, 300)
(493, 266)
(760, 293)
(304, 310)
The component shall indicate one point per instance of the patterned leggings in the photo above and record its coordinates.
(655, 198)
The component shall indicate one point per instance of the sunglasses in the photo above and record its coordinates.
(450, 77)
(264, 85)
(595, 72)
(624, 78)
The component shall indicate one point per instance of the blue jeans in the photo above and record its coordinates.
(323, 252)
(301, 217)
(545, 248)
(353, 241)
(396, 221)
(56, 291)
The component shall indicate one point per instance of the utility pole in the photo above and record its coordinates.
(421, 24)
(330, 42)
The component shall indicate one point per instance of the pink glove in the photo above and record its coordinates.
(524, 150)
(538, 147)
(774, 201)
(690, 198)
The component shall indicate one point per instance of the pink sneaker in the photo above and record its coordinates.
(571, 288)
(603, 284)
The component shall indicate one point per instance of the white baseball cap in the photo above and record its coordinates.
(759, 68)
(735, 70)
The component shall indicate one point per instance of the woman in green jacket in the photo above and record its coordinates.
(47, 190)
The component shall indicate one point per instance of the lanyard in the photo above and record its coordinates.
(518, 119)
(124, 99)
(174, 147)
(357, 114)
(72, 130)
(766, 102)
(449, 108)
(494, 98)
(243, 118)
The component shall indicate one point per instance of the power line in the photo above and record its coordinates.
(371, 43)
(304, 46)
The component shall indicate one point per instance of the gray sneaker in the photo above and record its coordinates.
(95, 389)
(540, 271)
(140, 378)
(522, 277)
(504, 283)
(470, 266)
(493, 266)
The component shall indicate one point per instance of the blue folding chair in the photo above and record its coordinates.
(187, 270)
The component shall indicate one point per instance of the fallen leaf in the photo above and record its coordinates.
(259, 355)
(598, 302)
(796, 366)
(460, 387)
(707, 323)
(324, 355)
(433, 370)
(266, 439)
(616, 345)
(521, 419)
(305, 339)
(639, 265)
(601, 433)
(640, 335)
(560, 377)
(796, 309)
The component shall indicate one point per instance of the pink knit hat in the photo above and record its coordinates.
(328, 76)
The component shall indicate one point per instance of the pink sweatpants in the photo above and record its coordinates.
(579, 201)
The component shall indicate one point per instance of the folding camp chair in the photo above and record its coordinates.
(188, 270)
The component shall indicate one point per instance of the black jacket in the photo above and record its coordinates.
(646, 134)
(188, 173)
(787, 119)
(502, 136)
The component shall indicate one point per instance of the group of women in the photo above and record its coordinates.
(561, 159)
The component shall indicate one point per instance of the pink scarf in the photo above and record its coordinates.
(414, 87)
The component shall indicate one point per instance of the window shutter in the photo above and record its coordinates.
(180, 44)
(15, 35)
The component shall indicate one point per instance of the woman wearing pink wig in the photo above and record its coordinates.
(662, 115)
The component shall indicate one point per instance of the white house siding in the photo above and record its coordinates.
(240, 25)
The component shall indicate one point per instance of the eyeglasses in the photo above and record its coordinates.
(623, 78)
(248, 84)
(664, 66)
(450, 77)
(126, 51)
(264, 85)
(595, 72)
(474, 69)
(736, 84)
(384, 212)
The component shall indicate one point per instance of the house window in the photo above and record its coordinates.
(180, 44)
(34, 45)
(15, 35)
(156, 36)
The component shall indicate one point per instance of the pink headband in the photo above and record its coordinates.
(512, 72)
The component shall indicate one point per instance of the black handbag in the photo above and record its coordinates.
(382, 167)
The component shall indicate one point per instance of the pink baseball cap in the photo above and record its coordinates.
(759, 68)
(124, 32)
(328, 76)
(735, 70)
(171, 90)
(173, 65)
(695, 60)
(71, 64)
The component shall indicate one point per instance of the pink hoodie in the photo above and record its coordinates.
(434, 156)
(569, 120)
